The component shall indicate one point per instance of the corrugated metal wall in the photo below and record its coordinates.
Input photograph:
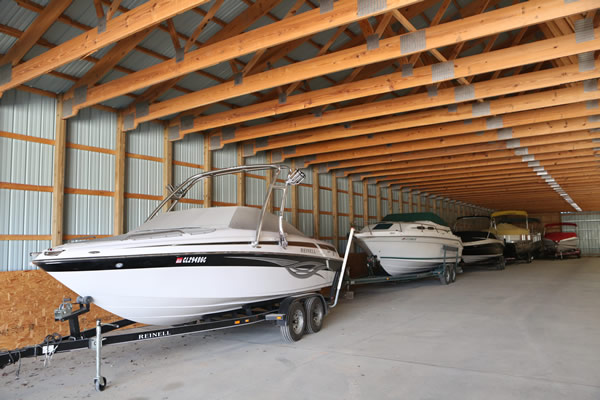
(225, 187)
(189, 150)
(588, 230)
(25, 212)
(143, 177)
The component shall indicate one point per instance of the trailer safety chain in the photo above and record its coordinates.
(50, 343)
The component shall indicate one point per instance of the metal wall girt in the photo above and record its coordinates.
(142, 109)
(584, 30)
(173, 132)
(442, 71)
(228, 132)
(373, 42)
(325, 6)
(187, 122)
(407, 70)
(366, 7)
(80, 95)
(590, 85)
(464, 93)
(494, 123)
(128, 121)
(412, 42)
(480, 109)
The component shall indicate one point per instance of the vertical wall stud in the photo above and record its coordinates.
(315, 210)
(294, 200)
(410, 201)
(58, 182)
(351, 201)
(378, 188)
(334, 210)
(270, 178)
(167, 165)
(119, 199)
(390, 209)
(241, 178)
(208, 182)
(365, 203)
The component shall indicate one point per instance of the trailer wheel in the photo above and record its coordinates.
(453, 273)
(295, 323)
(100, 384)
(501, 263)
(446, 275)
(529, 258)
(315, 313)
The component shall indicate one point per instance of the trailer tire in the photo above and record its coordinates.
(501, 263)
(453, 273)
(100, 384)
(529, 258)
(295, 323)
(315, 313)
(445, 276)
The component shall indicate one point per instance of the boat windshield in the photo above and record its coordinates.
(481, 224)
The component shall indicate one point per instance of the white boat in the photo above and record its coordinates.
(407, 244)
(480, 245)
(181, 265)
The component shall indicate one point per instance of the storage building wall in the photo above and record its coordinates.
(188, 160)
(588, 230)
(27, 133)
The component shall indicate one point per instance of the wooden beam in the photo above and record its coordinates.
(140, 18)
(58, 181)
(114, 7)
(34, 32)
(463, 111)
(119, 196)
(506, 58)
(316, 206)
(292, 28)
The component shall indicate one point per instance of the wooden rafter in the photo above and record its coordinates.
(35, 31)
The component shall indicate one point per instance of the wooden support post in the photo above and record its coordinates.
(294, 204)
(334, 210)
(434, 208)
(207, 167)
(378, 195)
(410, 201)
(58, 183)
(351, 201)
(270, 178)
(419, 207)
(390, 209)
(241, 179)
(119, 196)
(167, 166)
(365, 203)
(315, 211)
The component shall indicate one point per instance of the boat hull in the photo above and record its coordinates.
(561, 246)
(408, 255)
(480, 251)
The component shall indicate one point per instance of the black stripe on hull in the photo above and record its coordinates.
(484, 249)
(188, 260)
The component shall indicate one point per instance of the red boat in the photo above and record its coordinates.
(557, 242)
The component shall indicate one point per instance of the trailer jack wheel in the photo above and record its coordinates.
(100, 384)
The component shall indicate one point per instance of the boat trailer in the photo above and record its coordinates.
(295, 315)
(446, 272)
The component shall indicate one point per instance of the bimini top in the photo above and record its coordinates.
(509, 212)
(412, 217)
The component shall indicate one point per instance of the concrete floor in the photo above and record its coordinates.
(531, 331)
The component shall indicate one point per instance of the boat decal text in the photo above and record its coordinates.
(152, 335)
(190, 260)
